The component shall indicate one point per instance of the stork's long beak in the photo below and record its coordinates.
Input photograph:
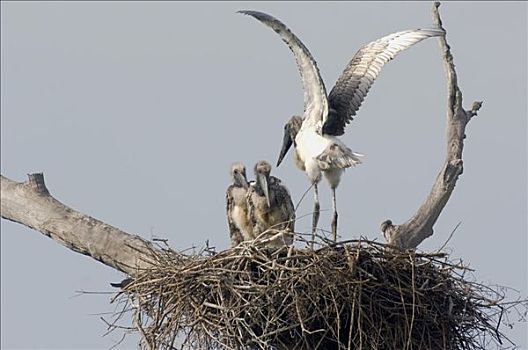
(263, 183)
(241, 180)
(286, 144)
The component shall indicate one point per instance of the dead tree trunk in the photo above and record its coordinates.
(31, 204)
(411, 233)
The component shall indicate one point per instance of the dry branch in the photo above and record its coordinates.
(411, 233)
(31, 204)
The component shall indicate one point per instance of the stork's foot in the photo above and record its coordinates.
(334, 226)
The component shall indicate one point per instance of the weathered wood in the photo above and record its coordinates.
(31, 204)
(411, 233)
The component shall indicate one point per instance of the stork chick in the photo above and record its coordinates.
(270, 208)
(237, 214)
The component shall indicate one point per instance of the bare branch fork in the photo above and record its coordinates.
(411, 233)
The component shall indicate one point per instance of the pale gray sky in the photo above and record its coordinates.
(134, 112)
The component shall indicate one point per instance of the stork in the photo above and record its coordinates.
(236, 199)
(270, 208)
(318, 150)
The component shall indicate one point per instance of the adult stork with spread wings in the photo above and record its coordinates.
(318, 150)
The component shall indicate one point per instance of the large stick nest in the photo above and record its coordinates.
(354, 295)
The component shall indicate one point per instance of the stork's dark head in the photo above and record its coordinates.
(262, 173)
(291, 129)
(238, 174)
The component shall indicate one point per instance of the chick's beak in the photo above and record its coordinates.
(263, 183)
(241, 180)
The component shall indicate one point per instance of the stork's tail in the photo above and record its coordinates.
(356, 157)
(338, 156)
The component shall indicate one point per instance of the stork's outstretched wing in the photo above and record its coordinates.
(359, 75)
(315, 99)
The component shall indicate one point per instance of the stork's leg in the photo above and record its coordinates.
(334, 217)
(315, 218)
